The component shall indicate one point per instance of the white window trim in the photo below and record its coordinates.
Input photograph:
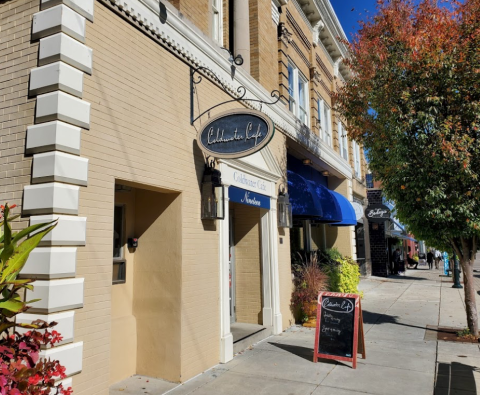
(325, 122)
(356, 160)
(293, 93)
(342, 141)
(217, 14)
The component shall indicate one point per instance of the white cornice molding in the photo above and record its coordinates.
(187, 40)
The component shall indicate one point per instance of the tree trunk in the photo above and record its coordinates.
(469, 287)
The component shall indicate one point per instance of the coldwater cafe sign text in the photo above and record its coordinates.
(235, 134)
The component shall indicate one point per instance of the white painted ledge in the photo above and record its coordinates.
(53, 136)
(65, 323)
(83, 7)
(70, 231)
(58, 19)
(56, 76)
(50, 198)
(56, 295)
(48, 263)
(66, 49)
(60, 106)
(59, 166)
(70, 356)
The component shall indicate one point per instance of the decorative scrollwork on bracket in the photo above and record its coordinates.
(196, 78)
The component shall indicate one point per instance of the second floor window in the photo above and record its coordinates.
(298, 93)
(342, 141)
(356, 160)
(325, 120)
(217, 21)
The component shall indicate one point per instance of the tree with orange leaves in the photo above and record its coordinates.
(414, 102)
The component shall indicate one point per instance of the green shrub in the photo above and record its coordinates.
(333, 254)
(344, 277)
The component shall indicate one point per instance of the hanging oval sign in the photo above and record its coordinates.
(377, 213)
(235, 134)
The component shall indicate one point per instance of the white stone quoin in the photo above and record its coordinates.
(64, 320)
(63, 107)
(70, 230)
(56, 295)
(68, 50)
(83, 7)
(56, 76)
(52, 136)
(58, 19)
(50, 198)
(70, 356)
(50, 263)
(59, 166)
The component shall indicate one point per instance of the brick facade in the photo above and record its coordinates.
(17, 56)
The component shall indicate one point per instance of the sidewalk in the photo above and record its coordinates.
(401, 358)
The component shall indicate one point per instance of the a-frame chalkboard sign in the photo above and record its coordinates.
(339, 333)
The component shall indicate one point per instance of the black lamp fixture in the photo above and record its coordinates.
(213, 192)
(284, 210)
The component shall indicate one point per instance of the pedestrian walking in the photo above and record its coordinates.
(396, 260)
(438, 258)
(430, 259)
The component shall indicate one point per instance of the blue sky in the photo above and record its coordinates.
(348, 18)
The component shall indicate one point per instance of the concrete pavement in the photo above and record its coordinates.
(403, 357)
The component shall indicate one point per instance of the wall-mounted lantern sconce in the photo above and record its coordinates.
(307, 162)
(284, 210)
(213, 193)
(325, 173)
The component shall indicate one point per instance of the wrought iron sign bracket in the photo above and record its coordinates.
(196, 78)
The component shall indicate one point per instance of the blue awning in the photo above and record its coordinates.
(311, 200)
(347, 210)
(331, 208)
(303, 198)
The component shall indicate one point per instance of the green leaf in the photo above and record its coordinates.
(30, 229)
(13, 305)
(18, 260)
(7, 325)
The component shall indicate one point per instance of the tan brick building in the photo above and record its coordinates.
(96, 130)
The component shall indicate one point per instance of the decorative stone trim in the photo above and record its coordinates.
(59, 166)
(52, 136)
(70, 356)
(58, 19)
(51, 198)
(65, 323)
(70, 230)
(83, 7)
(56, 295)
(60, 115)
(56, 76)
(68, 50)
(50, 263)
(63, 107)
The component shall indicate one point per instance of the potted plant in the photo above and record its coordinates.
(309, 280)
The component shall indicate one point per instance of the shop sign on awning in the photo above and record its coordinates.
(235, 134)
(242, 196)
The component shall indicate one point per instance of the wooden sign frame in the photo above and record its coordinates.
(358, 334)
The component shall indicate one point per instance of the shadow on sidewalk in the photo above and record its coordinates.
(455, 377)
(304, 352)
